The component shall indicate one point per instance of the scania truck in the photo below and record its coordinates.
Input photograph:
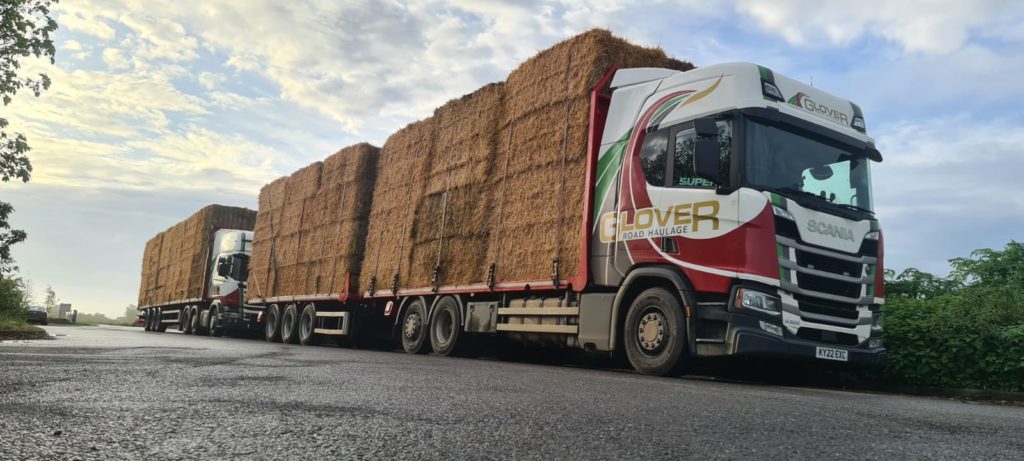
(727, 211)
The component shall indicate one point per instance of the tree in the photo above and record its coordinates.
(25, 30)
(130, 313)
(50, 302)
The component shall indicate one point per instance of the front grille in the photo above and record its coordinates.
(827, 264)
(824, 307)
(869, 248)
(825, 285)
(831, 337)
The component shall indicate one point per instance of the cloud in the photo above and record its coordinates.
(113, 58)
(946, 187)
(928, 26)
(211, 80)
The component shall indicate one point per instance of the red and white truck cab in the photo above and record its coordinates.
(757, 189)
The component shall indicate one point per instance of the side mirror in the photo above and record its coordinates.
(706, 127)
(706, 159)
(223, 268)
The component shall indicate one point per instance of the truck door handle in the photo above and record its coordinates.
(668, 245)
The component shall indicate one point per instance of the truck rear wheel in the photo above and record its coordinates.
(160, 326)
(185, 325)
(195, 318)
(446, 327)
(307, 323)
(272, 325)
(414, 328)
(290, 325)
(654, 334)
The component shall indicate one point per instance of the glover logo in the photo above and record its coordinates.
(834, 230)
(805, 102)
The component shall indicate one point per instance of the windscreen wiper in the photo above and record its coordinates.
(855, 207)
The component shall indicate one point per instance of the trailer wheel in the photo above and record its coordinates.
(655, 333)
(213, 327)
(307, 323)
(414, 328)
(446, 327)
(146, 320)
(272, 325)
(160, 325)
(185, 324)
(290, 325)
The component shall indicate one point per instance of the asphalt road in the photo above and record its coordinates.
(121, 393)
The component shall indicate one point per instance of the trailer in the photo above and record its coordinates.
(719, 211)
(194, 273)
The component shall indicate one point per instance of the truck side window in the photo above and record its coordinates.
(652, 157)
(682, 164)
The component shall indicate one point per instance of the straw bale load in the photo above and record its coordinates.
(310, 226)
(495, 177)
(175, 261)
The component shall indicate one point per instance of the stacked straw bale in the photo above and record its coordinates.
(497, 176)
(310, 226)
(175, 261)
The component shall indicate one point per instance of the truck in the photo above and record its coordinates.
(194, 274)
(725, 210)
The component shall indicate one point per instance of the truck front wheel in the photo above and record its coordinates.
(655, 333)
(213, 327)
(290, 325)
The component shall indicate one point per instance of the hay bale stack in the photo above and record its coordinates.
(400, 184)
(176, 260)
(449, 229)
(543, 140)
(497, 176)
(310, 226)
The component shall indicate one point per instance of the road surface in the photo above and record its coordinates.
(121, 393)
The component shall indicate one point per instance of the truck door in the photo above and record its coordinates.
(668, 215)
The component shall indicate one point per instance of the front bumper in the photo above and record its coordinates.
(747, 338)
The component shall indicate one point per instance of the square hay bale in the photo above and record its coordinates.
(399, 185)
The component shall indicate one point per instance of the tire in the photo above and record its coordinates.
(185, 322)
(446, 327)
(413, 328)
(160, 326)
(654, 334)
(198, 325)
(290, 325)
(307, 323)
(147, 320)
(272, 324)
(213, 327)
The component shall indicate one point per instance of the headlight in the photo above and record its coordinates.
(783, 213)
(878, 321)
(758, 301)
(871, 235)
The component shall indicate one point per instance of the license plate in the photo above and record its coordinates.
(831, 354)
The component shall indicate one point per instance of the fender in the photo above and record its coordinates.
(668, 273)
(458, 300)
(401, 310)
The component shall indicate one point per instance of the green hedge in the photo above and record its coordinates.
(962, 331)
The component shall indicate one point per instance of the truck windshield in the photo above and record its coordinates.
(800, 166)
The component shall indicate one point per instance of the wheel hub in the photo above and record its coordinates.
(412, 325)
(651, 331)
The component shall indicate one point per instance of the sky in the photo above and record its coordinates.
(159, 108)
